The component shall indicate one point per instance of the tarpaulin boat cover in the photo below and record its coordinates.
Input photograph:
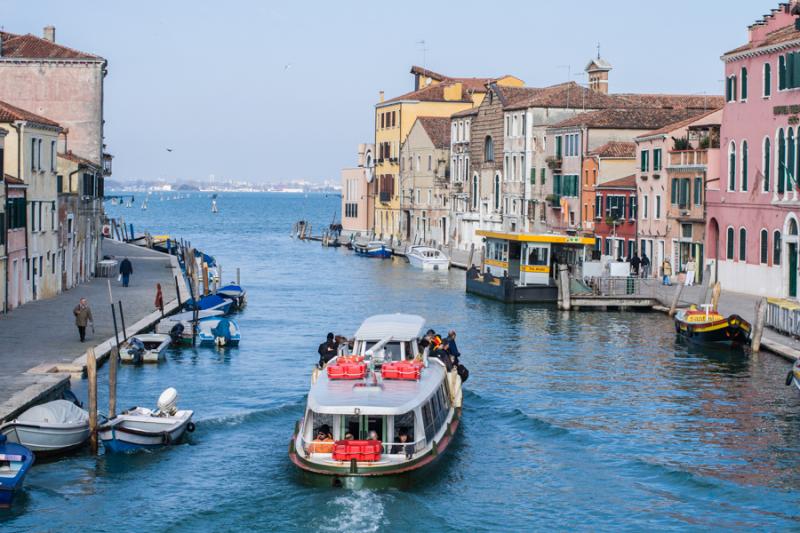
(55, 412)
(223, 329)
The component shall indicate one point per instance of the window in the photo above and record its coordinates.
(658, 206)
(742, 244)
(533, 176)
(474, 192)
(789, 71)
(764, 248)
(781, 73)
(657, 159)
(767, 89)
(781, 161)
(615, 207)
(497, 192)
(559, 140)
(744, 83)
(430, 162)
(537, 256)
(732, 166)
(488, 149)
(52, 156)
(698, 191)
(542, 176)
(744, 166)
(729, 244)
(766, 160)
(776, 248)
(791, 151)
(645, 160)
(645, 204)
(16, 212)
(33, 154)
(632, 208)
(730, 89)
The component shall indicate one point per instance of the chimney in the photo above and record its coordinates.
(49, 33)
(380, 99)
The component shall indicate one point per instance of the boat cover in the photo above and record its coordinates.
(223, 329)
(55, 412)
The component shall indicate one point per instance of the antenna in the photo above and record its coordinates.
(569, 77)
(424, 53)
(598, 49)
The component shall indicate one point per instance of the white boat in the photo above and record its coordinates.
(427, 258)
(220, 331)
(52, 427)
(385, 409)
(140, 428)
(145, 348)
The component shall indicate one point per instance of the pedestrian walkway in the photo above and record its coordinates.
(43, 333)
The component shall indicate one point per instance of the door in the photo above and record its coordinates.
(513, 259)
(792, 270)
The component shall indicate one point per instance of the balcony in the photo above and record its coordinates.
(107, 164)
(554, 163)
(385, 197)
(554, 200)
(688, 158)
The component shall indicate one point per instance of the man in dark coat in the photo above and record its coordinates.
(125, 270)
(327, 350)
(635, 262)
(645, 265)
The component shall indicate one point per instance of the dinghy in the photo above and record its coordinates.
(373, 249)
(15, 461)
(218, 331)
(210, 302)
(140, 428)
(427, 258)
(145, 348)
(53, 427)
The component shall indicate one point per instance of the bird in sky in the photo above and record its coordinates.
(169, 149)
(287, 66)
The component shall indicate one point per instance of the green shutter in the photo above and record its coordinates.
(533, 176)
(767, 79)
(781, 72)
(556, 184)
(542, 175)
(698, 191)
(744, 83)
(674, 193)
(796, 63)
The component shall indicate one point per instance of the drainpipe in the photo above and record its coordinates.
(20, 127)
(5, 228)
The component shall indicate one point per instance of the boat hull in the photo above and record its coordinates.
(11, 479)
(44, 439)
(381, 253)
(732, 331)
(139, 433)
(428, 264)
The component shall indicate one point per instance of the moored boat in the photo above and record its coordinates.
(179, 326)
(427, 258)
(235, 293)
(387, 408)
(211, 302)
(141, 428)
(15, 461)
(220, 331)
(373, 249)
(708, 326)
(53, 427)
(145, 348)
(793, 377)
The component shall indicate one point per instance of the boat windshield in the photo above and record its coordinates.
(392, 351)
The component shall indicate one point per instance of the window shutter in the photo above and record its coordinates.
(533, 176)
(674, 192)
(744, 83)
(796, 69)
(781, 72)
(767, 79)
(542, 176)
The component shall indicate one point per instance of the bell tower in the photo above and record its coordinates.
(598, 70)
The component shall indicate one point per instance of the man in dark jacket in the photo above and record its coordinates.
(83, 315)
(645, 265)
(635, 262)
(327, 350)
(125, 270)
(452, 349)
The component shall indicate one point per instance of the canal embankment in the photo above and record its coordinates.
(45, 352)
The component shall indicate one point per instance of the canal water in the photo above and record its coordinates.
(591, 421)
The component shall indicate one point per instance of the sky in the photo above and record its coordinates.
(273, 91)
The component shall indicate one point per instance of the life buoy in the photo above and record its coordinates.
(190, 427)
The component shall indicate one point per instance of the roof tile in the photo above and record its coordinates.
(31, 47)
(10, 113)
(438, 129)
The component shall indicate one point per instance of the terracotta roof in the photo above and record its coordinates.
(31, 47)
(10, 113)
(70, 156)
(427, 73)
(672, 101)
(11, 180)
(627, 119)
(566, 95)
(615, 149)
(438, 129)
(472, 111)
(781, 35)
(432, 93)
(678, 125)
(628, 182)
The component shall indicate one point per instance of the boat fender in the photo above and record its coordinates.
(353, 466)
(789, 377)
(463, 373)
(190, 427)
(434, 449)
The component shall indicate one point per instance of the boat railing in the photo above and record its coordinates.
(314, 446)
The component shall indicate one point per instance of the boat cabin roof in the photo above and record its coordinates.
(388, 397)
(549, 238)
(398, 327)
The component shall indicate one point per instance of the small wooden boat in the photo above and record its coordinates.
(387, 408)
(140, 428)
(145, 348)
(15, 461)
(373, 249)
(710, 327)
(53, 427)
(427, 258)
(219, 331)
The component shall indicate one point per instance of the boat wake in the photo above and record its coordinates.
(248, 417)
(360, 510)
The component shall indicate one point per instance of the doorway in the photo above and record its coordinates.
(793, 270)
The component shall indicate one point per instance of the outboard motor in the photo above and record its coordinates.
(168, 402)
(176, 333)
(136, 350)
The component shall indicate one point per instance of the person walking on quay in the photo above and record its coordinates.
(125, 270)
(83, 315)
(690, 270)
(666, 270)
(635, 262)
(645, 263)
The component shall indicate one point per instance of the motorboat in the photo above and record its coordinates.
(211, 302)
(373, 249)
(708, 326)
(179, 326)
(386, 408)
(793, 377)
(141, 428)
(145, 348)
(15, 461)
(427, 258)
(234, 293)
(53, 427)
(219, 331)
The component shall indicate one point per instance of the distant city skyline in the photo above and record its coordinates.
(267, 93)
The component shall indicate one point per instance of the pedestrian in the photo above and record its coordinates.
(327, 350)
(690, 270)
(159, 303)
(125, 270)
(645, 263)
(635, 262)
(83, 315)
(666, 270)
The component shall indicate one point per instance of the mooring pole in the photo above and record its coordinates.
(112, 382)
(113, 314)
(238, 282)
(91, 374)
(178, 293)
(675, 299)
(122, 319)
(758, 327)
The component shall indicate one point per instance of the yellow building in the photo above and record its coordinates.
(434, 95)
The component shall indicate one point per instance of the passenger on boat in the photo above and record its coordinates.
(402, 446)
(472, 272)
(373, 435)
(327, 350)
(348, 436)
(452, 349)
(323, 443)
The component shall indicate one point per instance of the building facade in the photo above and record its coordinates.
(17, 271)
(357, 207)
(615, 217)
(609, 162)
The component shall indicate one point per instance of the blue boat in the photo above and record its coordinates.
(219, 331)
(15, 460)
(235, 293)
(373, 249)
(210, 302)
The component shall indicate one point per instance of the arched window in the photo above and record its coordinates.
(488, 149)
(742, 244)
(732, 166)
(497, 192)
(792, 227)
(764, 248)
(766, 153)
(475, 192)
(744, 83)
(781, 161)
(729, 245)
(767, 79)
(776, 248)
(744, 165)
(791, 150)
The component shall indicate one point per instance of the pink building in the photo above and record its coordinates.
(357, 203)
(752, 231)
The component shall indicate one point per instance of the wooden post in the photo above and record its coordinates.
(122, 319)
(238, 282)
(675, 299)
(758, 327)
(91, 374)
(715, 294)
(178, 293)
(471, 254)
(563, 274)
(205, 278)
(112, 382)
